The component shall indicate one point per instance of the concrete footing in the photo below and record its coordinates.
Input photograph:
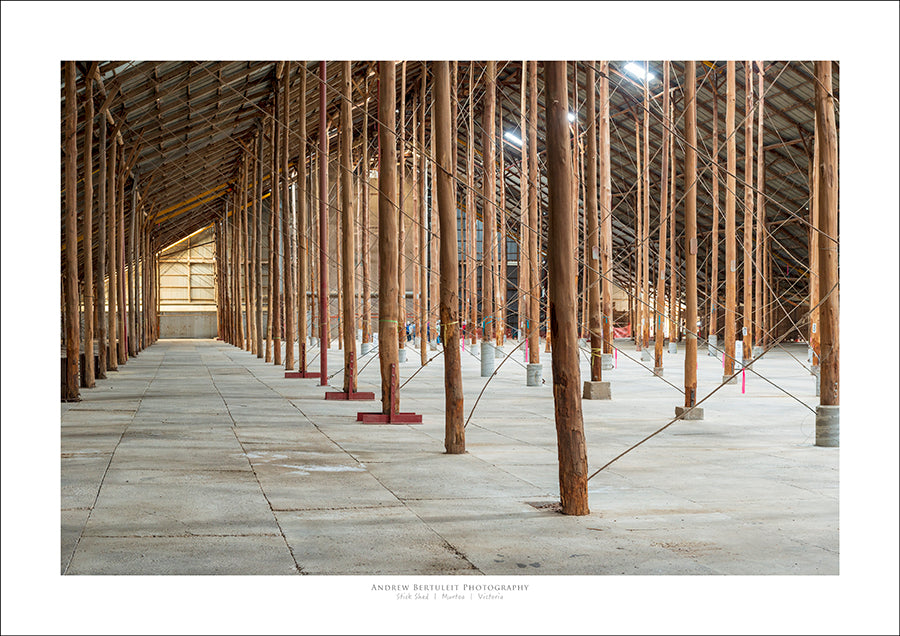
(757, 351)
(685, 413)
(401, 355)
(673, 347)
(658, 371)
(814, 369)
(533, 372)
(487, 359)
(646, 355)
(711, 344)
(606, 361)
(828, 425)
(432, 346)
(727, 381)
(597, 391)
(818, 377)
(365, 348)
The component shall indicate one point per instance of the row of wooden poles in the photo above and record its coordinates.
(126, 322)
(239, 240)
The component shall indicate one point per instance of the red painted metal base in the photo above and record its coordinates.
(389, 418)
(302, 374)
(353, 395)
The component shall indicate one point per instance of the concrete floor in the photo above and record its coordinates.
(199, 458)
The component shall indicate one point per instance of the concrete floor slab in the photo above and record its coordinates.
(217, 444)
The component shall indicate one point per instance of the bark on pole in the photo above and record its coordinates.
(500, 285)
(660, 314)
(302, 238)
(730, 241)
(132, 273)
(388, 218)
(747, 323)
(112, 359)
(257, 248)
(88, 234)
(488, 207)
(829, 337)
(534, 233)
(423, 244)
(605, 211)
(561, 237)
(714, 288)
(592, 253)
(348, 243)
(286, 222)
(639, 244)
(523, 269)
(760, 210)
(71, 286)
(454, 429)
(690, 236)
(101, 255)
(645, 242)
(270, 298)
(673, 273)
(324, 337)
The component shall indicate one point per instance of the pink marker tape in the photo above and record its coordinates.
(743, 380)
(617, 358)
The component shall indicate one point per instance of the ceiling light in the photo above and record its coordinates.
(638, 71)
(513, 138)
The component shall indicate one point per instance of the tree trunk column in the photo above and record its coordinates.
(828, 411)
(690, 411)
(606, 219)
(71, 393)
(101, 255)
(730, 241)
(534, 368)
(660, 313)
(567, 405)
(488, 224)
(88, 234)
(324, 336)
(454, 429)
(286, 222)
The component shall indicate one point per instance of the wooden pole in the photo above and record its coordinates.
(501, 285)
(829, 337)
(286, 222)
(645, 240)
(471, 264)
(747, 331)
(730, 246)
(103, 333)
(423, 245)
(120, 276)
(567, 402)
(257, 247)
(388, 243)
(132, 272)
(112, 359)
(639, 243)
(454, 429)
(401, 228)
(71, 260)
(534, 251)
(348, 242)
(760, 212)
(415, 244)
(659, 318)
(605, 212)
(814, 283)
(690, 239)
(673, 273)
(435, 226)
(523, 268)
(592, 253)
(324, 335)
(245, 249)
(488, 207)
(88, 234)
(364, 222)
(302, 230)
(713, 329)
(275, 219)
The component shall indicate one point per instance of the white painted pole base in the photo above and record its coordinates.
(727, 381)
(828, 426)
(757, 351)
(365, 348)
(818, 377)
(401, 355)
(487, 359)
(712, 343)
(673, 347)
(646, 356)
(533, 374)
(658, 371)
(597, 391)
(606, 361)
